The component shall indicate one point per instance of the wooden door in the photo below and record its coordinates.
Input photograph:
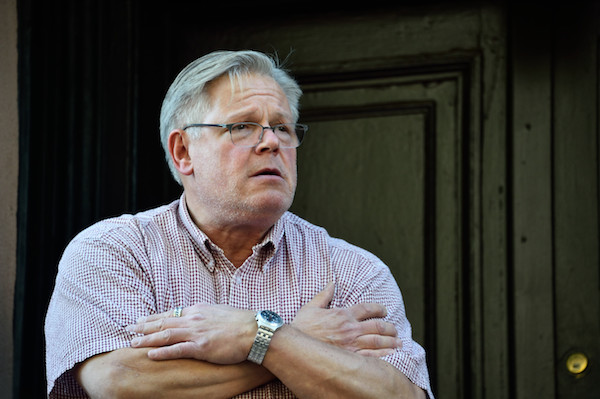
(555, 242)
(398, 102)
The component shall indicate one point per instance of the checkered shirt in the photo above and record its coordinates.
(123, 268)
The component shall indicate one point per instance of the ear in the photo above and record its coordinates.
(179, 149)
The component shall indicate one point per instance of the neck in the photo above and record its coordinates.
(236, 243)
(236, 235)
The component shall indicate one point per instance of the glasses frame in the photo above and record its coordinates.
(229, 127)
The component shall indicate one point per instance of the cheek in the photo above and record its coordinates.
(294, 174)
(292, 166)
(206, 160)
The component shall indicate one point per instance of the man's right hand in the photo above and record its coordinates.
(359, 328)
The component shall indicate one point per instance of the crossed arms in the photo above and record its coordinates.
(322, 353)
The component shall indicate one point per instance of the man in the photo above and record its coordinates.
(224, 292)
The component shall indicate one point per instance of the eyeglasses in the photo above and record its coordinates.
(250, 134)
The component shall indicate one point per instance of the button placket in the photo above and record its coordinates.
(238, 291)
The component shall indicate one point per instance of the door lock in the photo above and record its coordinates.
(577, 363)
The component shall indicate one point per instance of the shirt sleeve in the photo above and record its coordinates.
(365, 278)
(101, 287)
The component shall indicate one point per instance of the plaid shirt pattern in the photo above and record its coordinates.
(123, 268)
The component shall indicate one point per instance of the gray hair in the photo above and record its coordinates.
(187, 96)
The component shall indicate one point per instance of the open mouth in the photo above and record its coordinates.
(268, 172)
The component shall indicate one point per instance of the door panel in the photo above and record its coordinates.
(381, 163)
(354, 176)
(576, 190)
(556, 274)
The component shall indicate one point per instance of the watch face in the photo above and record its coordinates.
(271, 316)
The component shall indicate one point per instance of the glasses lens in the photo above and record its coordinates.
(245, 134)
(290, 134)
(248, 134)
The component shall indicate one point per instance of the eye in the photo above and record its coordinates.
(284, 128)
(244, 128)
(239, 126)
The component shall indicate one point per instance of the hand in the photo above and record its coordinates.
(218, 334)
(359, 328)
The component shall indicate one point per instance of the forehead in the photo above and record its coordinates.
(247, 92)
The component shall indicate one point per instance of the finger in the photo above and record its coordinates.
(153, 326)
(156, 322)
(153, 317)
(363, 311)
(377, 342)
(166, 337)
(378, 327)
(158, 316)
(323, 298)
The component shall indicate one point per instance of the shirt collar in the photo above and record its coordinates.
(197, 236)
(274, 235)
(203, 244)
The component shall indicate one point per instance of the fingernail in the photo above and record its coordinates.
(135, 342)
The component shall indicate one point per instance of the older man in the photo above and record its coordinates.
(224, 292)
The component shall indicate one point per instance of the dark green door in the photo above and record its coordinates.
(556, 273)
(405, 157)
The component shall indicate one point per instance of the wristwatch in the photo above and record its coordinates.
(268, 322)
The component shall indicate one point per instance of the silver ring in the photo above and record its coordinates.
(177, 311)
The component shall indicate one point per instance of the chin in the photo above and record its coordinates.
(273, 205)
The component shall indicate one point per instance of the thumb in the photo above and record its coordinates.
(323, 298)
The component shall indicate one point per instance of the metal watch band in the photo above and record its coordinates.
(267, 322)
(260, 345)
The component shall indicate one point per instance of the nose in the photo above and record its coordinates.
(269, 142)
